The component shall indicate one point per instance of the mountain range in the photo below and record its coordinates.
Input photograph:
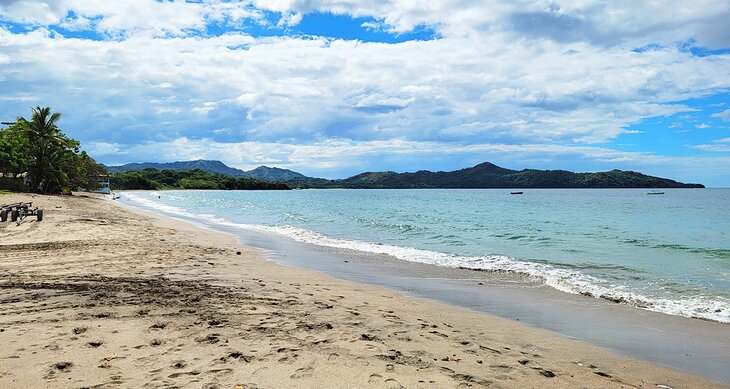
(263, 173)
(483, 175)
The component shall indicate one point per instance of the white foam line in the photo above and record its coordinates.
(569, 281)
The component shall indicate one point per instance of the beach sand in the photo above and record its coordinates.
(101, 295)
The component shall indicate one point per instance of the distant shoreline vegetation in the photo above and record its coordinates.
(482, 176)
(153, 179)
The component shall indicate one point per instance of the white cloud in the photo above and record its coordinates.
(128, 16)
(620, 22)
(523, 72)
(491, 89)
(717, 146)
(724, 115)
(33, 12)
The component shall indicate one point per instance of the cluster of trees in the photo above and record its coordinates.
(51, 160)
(151, 178)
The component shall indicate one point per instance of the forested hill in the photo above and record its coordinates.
(263, 173)
(153, 179)
(484, 175)
(217, 167)
(488, 175)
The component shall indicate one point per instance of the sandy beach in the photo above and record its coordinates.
(102, 295)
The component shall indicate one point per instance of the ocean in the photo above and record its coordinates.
(668, 253)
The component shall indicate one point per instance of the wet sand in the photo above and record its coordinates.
(99, 295)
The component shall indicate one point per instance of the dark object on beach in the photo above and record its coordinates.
(238, 253)
(20, 211)
(516, 192)
(8, 209)
(654, 192)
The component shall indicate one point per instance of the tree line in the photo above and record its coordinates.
(39, 150)
(153, 179)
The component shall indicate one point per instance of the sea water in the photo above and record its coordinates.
(668, 253)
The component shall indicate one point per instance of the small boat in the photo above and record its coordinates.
(516, 192)
(655, 192)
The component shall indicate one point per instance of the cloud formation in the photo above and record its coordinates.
(724, 115)
(129, 75)
(717, 146)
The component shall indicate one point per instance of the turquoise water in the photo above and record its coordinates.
(667, 253)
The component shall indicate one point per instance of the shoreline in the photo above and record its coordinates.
(168, 303)
(647, 335)
(569, 275)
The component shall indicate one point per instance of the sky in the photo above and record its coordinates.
(332, 88)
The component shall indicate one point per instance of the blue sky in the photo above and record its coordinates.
(332, 89)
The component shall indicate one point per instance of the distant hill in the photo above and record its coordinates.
(484, 175)
(488, 175)
(217, 167)
(263, 173)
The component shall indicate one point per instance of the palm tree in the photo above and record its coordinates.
(47, 146)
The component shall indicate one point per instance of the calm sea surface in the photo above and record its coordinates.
(667, 253)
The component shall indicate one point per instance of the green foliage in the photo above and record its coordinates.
(487, 175)
(151, 178)
(51, 159)
(13, 159)
(82, 171)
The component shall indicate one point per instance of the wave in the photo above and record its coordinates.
(713, 308)
(711, 253)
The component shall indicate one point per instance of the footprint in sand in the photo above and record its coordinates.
(210, 338)
(237, 355)
(62, 366)
(302, 372)
(374, 378)
(392, 384)
(368, 337)
(175, 375)
(156, 342)
(372, 347)
(95, 343)
(468, 380)
(546, 373)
